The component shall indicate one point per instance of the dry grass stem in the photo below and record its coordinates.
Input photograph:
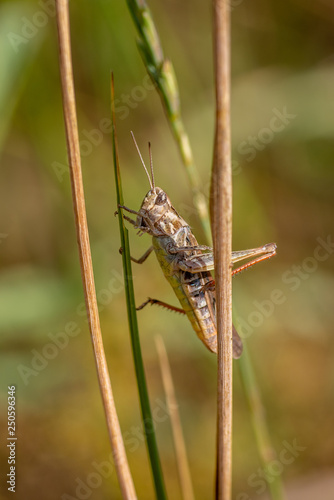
(179, 444)
(221, 220)
(118, 450)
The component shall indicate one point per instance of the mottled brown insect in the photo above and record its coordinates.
(185, 263)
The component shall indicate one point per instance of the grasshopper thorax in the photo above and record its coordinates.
(157, 216)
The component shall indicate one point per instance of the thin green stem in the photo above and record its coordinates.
(147, 419)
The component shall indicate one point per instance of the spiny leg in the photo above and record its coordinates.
(254, 261)
(205, 261)
(268, 249)
(211, 284)
(162, 304)
(237, 342)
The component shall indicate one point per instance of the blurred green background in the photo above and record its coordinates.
(283, 150)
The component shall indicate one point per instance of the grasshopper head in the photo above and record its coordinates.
(155, 204)
(157, 215)
(156, 201)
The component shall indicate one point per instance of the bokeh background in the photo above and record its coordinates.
(283, 150)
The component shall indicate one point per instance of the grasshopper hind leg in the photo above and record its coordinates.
(236, 340)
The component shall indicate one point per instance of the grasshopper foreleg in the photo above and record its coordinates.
(133, 222)
(162, 304)
(142, 229)
(128, 209)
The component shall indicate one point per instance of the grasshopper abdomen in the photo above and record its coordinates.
(197, 303)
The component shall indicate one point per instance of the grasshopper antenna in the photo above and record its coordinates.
(151, 163)
(141, 158)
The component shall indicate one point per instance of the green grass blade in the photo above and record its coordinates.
(148, 423)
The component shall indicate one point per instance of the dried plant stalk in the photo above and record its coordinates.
(117, 445)
(179, 444)
(221, 221)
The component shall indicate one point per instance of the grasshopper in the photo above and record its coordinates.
(185, 263)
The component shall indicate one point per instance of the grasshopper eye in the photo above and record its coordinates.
(161, 198)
